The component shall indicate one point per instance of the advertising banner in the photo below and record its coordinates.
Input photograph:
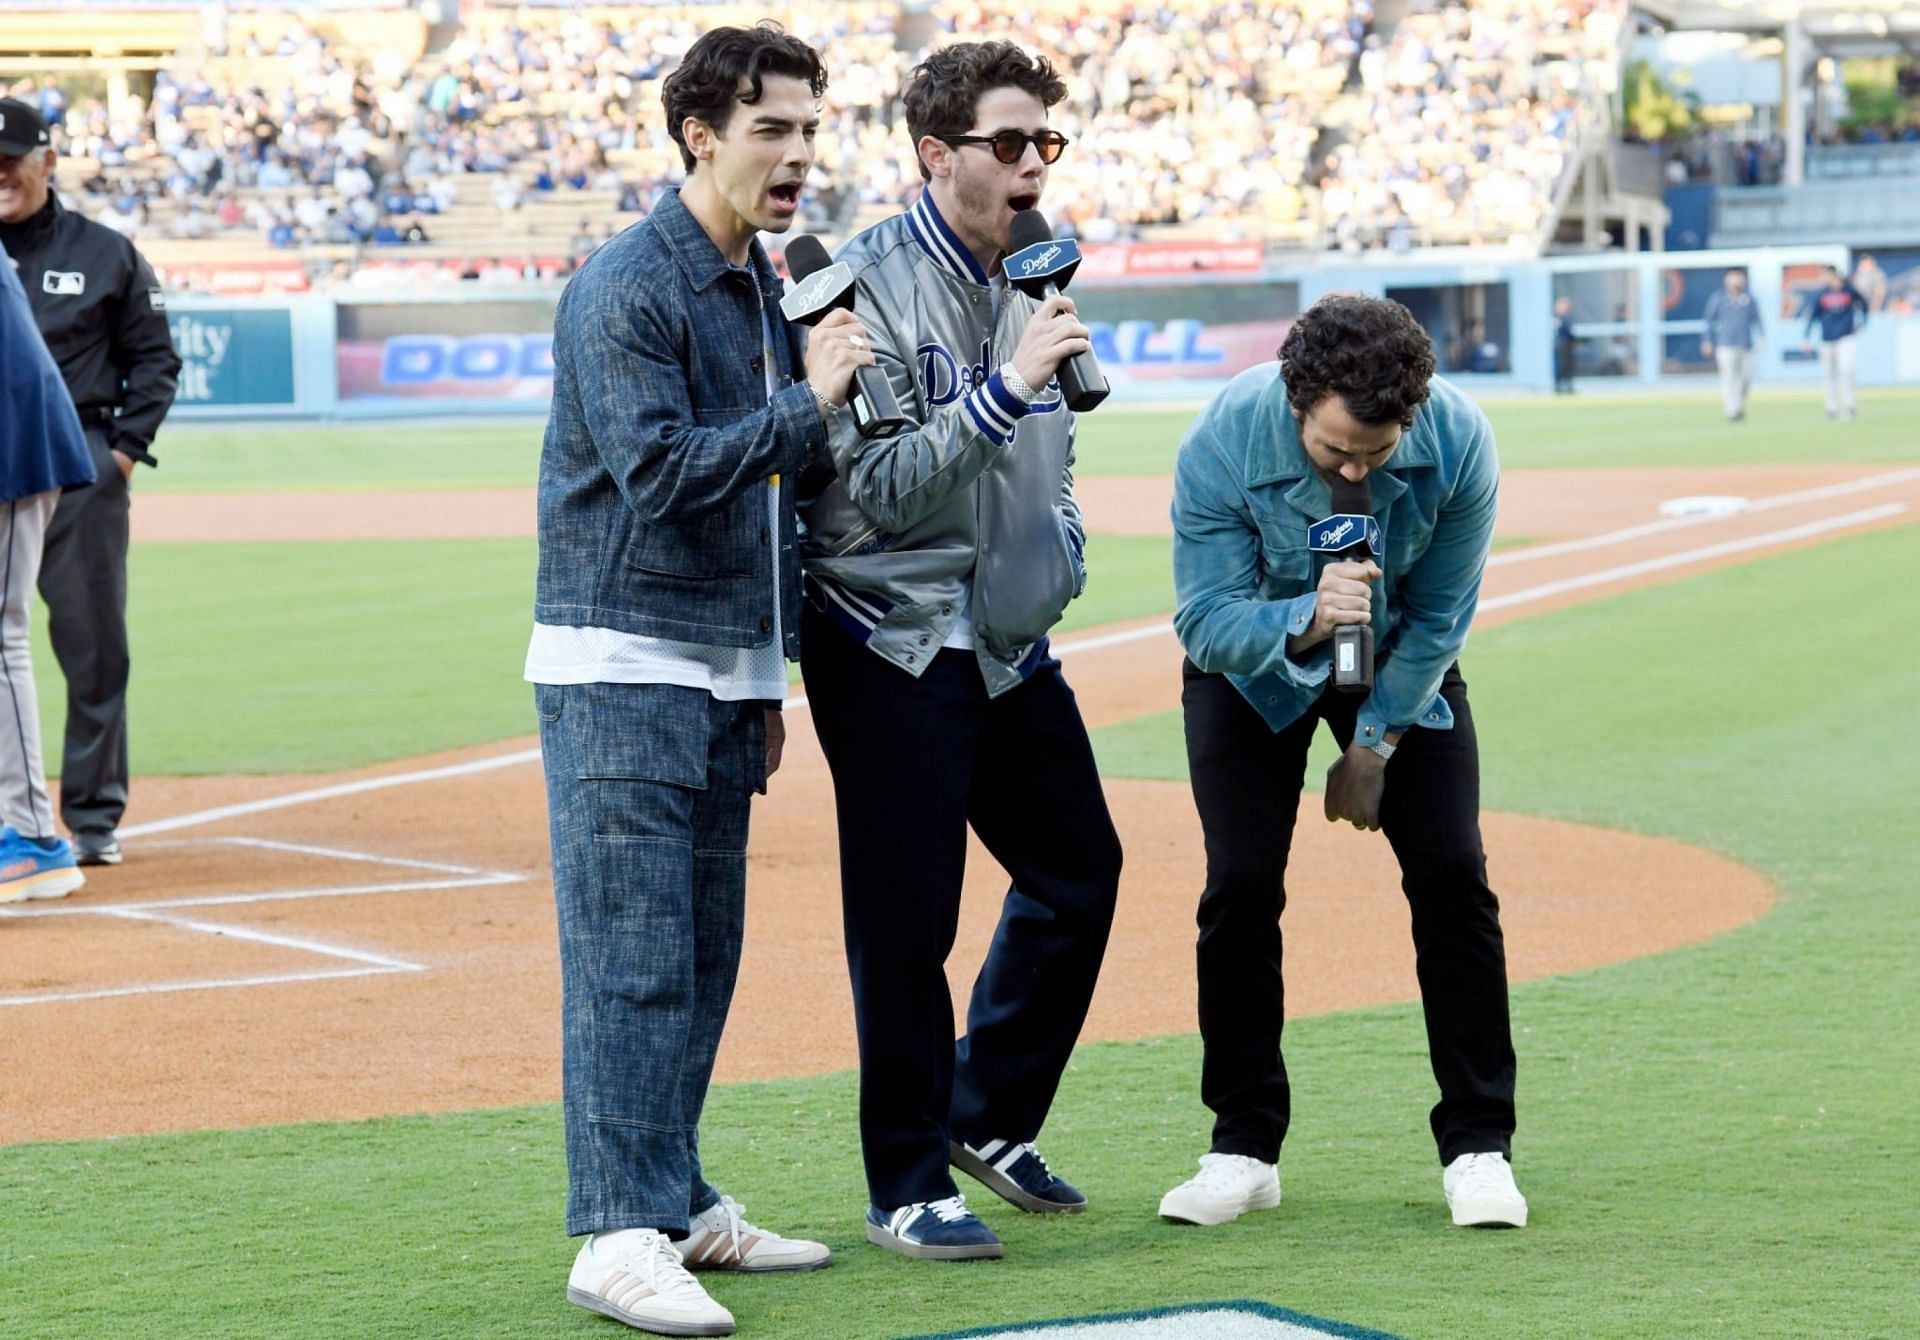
(1186, 333)
(470, 350)
(241, 356)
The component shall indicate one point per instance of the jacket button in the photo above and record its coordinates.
(766, 623)
(924, 641)
(946, 609)
(758, 363)
(910, 658)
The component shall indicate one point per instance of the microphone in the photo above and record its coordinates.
(1352, 536)
(1040, 266)
(822, 285)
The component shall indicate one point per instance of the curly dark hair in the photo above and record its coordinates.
(706, 83)
(945, 89)
(1368, 351)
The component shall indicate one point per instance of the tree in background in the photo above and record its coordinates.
(1654, 111)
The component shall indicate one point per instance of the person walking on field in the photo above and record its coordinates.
(1733, 335)
(1839, 310)
(1564, 344)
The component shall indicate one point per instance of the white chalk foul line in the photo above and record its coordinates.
(340, 854)
(1701, 555)
(160, 912)
(265, 896)
(1767, 504)
(305, 946)
(199, 817)
(208, 984)
(798, 703)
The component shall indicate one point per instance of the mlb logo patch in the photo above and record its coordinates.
(63, 283)
(157, 300)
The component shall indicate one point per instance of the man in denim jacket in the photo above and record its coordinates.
(668, 591)
(1352, 396)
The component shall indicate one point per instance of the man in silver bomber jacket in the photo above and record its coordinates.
(936, 562)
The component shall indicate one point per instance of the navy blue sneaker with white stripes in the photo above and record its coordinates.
(1018, 1175)
(933, 1230)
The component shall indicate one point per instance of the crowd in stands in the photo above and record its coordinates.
(1471, 113)
(1183, 112)
(1739, 157)
(1188, 112)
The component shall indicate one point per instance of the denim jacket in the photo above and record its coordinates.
(1244, 495)
(661, 438)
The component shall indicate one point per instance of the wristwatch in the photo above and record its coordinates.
(1017, 384)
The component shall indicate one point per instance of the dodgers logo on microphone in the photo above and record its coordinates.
(1044, 259)
(1342, 529)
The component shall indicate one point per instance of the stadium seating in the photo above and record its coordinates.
(532, 132)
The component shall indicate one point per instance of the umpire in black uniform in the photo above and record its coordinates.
(101, 312)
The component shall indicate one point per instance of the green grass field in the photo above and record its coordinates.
(1717, 1141)
(1534, 432)
(1712, 1138)
(336, 655)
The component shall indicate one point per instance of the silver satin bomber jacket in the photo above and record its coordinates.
(976, 493)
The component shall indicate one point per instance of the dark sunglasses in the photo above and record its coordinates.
(1009, 146)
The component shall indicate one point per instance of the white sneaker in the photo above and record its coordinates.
(1227, 1186)
(722, 1239)
(1481, 1193)
(634, 1275)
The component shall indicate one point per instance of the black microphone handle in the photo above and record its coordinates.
(876, 409)
(1082, 384)
(1352, 670)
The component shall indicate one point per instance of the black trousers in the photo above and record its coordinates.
(83, 579)
(915, 762)
(1247, 781)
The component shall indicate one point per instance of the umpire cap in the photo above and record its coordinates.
(22, 129)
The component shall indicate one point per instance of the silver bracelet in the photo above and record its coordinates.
(827, 407)
(1017, 384)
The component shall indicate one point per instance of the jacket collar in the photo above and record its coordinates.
(37, 225)
(941, 243)
(698, 256)
(1278, 458)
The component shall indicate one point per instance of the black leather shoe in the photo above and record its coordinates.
(96, 848)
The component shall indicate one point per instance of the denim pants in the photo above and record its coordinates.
(1246, 783)
(648, 788)
(915, 762)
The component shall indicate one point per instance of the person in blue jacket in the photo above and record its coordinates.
(1840, 311)
(1353, 397)
(42, 452)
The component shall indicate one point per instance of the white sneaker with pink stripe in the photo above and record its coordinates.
(722, 1239)
(635, 1275)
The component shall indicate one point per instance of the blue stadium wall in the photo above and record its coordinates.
(489, 353)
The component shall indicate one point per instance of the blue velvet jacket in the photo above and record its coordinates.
(1244, 495)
